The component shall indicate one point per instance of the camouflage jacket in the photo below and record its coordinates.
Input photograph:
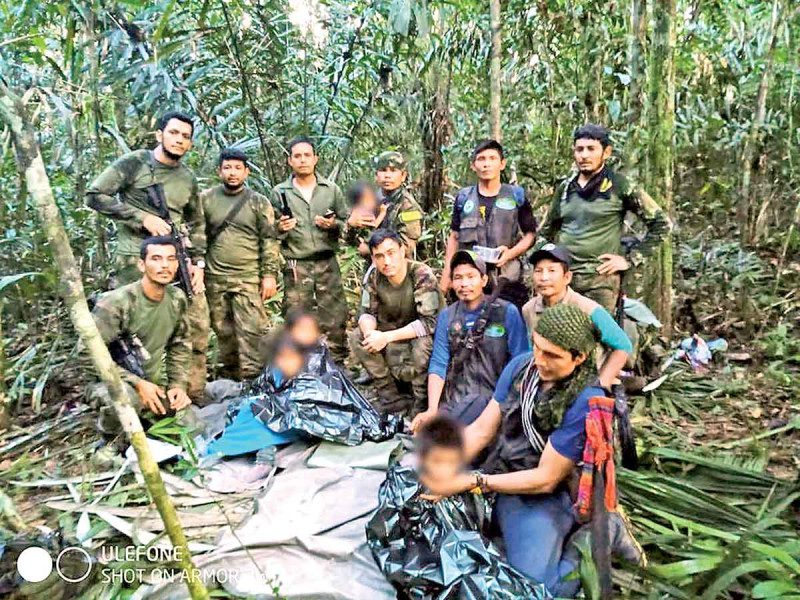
(120, 193)
(589, 228)
(247, 248)
(404, 216)
(162, 327)
(417, 300)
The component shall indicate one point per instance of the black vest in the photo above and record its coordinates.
(478, 374)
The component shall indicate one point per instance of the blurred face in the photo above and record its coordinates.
(388, 257)
(550, 278)
(160, 264)
(303, 159)
(441, 463)
(289, 362)
(175, 138)
(488, 165)
(368, 202)
(590, 156)
(233, 173)
(390, 178)
(305, 332)
(553, 362)
(468, 282)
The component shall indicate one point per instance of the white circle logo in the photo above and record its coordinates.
(67, 560)
(34, 564)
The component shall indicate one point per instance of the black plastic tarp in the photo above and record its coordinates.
(321, 402)
(440, 550)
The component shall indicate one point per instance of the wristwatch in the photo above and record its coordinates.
(201, 264)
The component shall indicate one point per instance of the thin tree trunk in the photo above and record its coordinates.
(637, 44)
(753, 139)
(494, 71)
(30, 161)
(662, 146)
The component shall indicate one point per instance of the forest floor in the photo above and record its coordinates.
(720, 449)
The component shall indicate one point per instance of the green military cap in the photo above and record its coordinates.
(390, 158)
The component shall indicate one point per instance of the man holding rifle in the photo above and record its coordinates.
(150, 193)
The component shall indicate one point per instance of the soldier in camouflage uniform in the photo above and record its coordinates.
(242, 265)
(587, 217)
(313, 214)
(403, 212)
(151, 316)
(393, 340)
(120, 193)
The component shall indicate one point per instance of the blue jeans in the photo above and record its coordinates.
(534, 529)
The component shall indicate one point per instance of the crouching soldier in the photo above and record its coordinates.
(145, 325)
(394, 337)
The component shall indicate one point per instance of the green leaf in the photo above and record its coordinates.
(12, 279)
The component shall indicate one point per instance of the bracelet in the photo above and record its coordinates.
(481, 483)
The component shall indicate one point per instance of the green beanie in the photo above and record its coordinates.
(568, 327)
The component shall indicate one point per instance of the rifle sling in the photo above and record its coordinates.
(214, 231)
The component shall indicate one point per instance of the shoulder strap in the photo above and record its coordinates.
(214, 231)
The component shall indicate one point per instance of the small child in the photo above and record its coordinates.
(440, 449)
(366, 215)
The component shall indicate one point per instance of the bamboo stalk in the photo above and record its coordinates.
(30, 161)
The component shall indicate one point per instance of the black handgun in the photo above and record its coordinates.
(128, 352)
(155, 194)
(285, 210)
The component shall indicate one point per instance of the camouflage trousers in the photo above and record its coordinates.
(99, 396)
(400, 362)
(240, 321)
(316, 286)
(603, 289)
(127, 272)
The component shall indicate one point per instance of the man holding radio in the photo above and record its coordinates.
(313, 212)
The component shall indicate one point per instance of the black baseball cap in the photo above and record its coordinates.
(553, 252)
(467, 257)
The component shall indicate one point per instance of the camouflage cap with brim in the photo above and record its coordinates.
(390, 158)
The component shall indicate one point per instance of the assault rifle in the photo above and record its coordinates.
(128, 352)
(155, 195)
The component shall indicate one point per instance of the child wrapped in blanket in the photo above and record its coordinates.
(439, 549)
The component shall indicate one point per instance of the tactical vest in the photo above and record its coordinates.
(501, 229)
(478, 374)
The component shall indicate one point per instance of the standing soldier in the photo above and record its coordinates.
(587, 218)
(243, 264)
(493, 215)
(121, 193)
(403, 213)
(312, 212)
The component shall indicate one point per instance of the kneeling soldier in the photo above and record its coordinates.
(393, 340)
(148, 318)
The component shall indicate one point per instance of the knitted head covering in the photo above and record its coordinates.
(568, 327)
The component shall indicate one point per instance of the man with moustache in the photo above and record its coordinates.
(313, 213)
(475, 338)
(242, 265)
(150, 316)
(394, 337)
(587, 217)
(120, 193)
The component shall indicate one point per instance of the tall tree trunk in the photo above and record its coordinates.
(30, 161)
(637, 46)
(435, 127)
(662, 146)
(494, 71)
(744, 213)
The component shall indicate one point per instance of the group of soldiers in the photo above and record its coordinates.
(237, 246)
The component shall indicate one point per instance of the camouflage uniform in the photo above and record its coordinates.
(404, 214)
(120, 193)
(162, 328)
(417, 301)
(240, 255)
(594, 226)
(311, 277)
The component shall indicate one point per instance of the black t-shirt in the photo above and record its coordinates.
(527, 222)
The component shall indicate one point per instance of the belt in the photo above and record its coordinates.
(322, 255)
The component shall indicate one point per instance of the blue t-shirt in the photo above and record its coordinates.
(518, 341)
(570, 437)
